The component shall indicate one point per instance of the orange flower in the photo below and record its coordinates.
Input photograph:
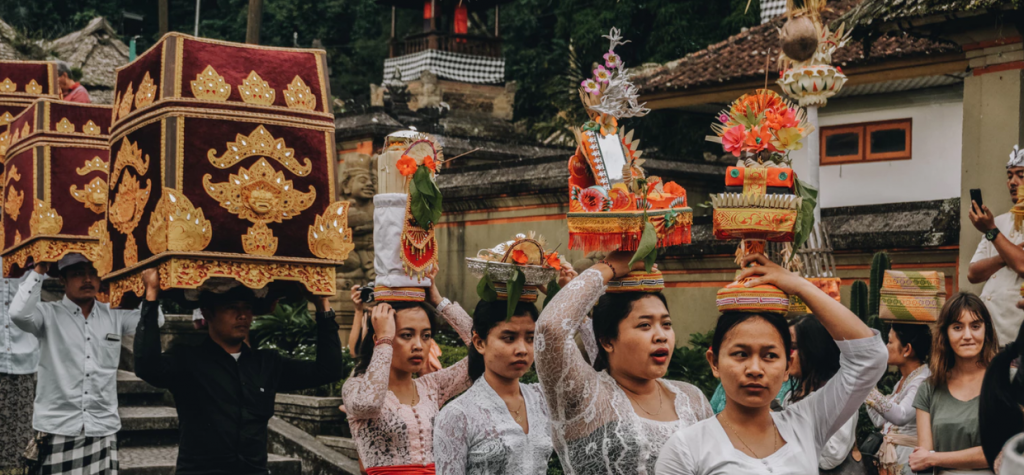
(429, 162)
(519, 257)
(554, 261)
(758, 139)
(406, 165)
(781, 119)
(673, 189)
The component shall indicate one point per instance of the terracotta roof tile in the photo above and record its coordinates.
(745, 56)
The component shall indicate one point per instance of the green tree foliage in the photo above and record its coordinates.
(549, 45)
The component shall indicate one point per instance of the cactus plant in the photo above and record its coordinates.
(879, 264)
(859, 300)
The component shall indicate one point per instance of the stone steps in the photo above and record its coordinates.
(161, 460)
(343, 445)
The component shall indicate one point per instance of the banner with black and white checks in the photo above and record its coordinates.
(447, 65)
(771, 9)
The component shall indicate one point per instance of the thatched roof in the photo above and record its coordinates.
(96, 50)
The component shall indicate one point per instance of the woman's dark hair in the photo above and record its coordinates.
(919, 337)
(999, 408)
(818, 354)
(366, 344)
(610, 310)
(943, 357)
(729, 320)
(486, 316)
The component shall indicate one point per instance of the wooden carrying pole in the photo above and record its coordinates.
(252, 30)
(162, 14)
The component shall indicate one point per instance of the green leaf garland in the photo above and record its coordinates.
(424, 198)
(485, 289)
(647, 250)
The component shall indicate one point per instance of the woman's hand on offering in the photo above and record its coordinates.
(383, 319)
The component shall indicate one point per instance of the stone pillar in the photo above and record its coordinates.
(991, 127)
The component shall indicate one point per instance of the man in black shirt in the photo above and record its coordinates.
(223, 389)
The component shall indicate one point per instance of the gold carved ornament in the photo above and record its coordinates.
(210, 86)
(299, 96)
(33, 87)
(5, 140)
(101, 256)
(261, 195)
(65, 126)
(6, 119)
(147, 92)
(259, 143)
(90, 128)
(129, 155)
(113, 112)
(255, 90)
(8, 86)
(15, 198)
(47, 250)
(177, 225)
(17, 237)
(44, 220)
(26, 130)
(126, 102)
(125, 212)
(14, 137)
(93, 195)
(96, 164)
(330, 237)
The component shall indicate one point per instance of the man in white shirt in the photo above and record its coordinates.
(19, 355)
(80, 349)
(999, 260)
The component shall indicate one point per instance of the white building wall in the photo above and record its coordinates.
(932, 173)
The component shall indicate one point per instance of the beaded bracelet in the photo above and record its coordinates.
(610, 266)
(382, 341)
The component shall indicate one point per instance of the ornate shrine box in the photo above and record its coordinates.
(912, 297)
(223, 166)
(758, 204)
(55, 185)
(21, 83)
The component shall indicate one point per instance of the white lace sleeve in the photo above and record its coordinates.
(451, 381)
(451, 441)
(364, 395)
(589, 341)
(873, 403)
(900, 413)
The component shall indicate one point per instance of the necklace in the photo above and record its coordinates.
(661, 400)
(775, 436)
(518, 417)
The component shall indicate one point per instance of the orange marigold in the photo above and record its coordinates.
(429, 162)
(519, 257)
(554, 261)
(406, 165)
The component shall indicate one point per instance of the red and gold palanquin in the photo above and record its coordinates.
(223, 166)
(21, 83)
(55, 185)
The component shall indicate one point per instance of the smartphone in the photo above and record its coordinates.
(976, 196)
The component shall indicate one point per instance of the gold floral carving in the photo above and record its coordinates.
(131, 251)
(210, 86)
(33, 87)
(330, 237)
(15, 198)
(90, 128)
(147, 92)
(65, 126)
(176, 225)
(259, 194)
(8, 85)
(113, 112)
(259, 241)
(47, 250)
(259, 143)
(17, 237)
(26, 130)
(126, 102)
(101, 257)
(98, 229)
(126, 209)
(129, 155)
(5, 140)
(7, 118)
(44, 220)
(192, 273)
(93, 195)
(299, 96)
(14, 137)
(255, 90)
(96, 164)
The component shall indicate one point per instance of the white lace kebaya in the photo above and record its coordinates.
(593, 425)
(388, 433)
(477, 434)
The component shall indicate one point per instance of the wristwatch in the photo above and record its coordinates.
(992, 234)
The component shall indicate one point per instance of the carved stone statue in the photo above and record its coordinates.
(357, 183)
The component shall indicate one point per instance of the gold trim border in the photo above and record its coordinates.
(226, 113)
(46, 249)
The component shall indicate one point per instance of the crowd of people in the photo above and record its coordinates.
(788, 402)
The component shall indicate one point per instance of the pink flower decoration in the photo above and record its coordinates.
(591, 86)
(612, 60)
(732, 139)
(724, 118)
(602, 75)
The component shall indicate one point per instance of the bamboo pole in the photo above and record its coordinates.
(255, 18)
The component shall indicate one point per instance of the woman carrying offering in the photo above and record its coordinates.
(612, 418)
(749, 354)
(964, 343)
(909, 346)
(390, 413)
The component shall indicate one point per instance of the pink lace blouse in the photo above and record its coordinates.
(389, 433)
